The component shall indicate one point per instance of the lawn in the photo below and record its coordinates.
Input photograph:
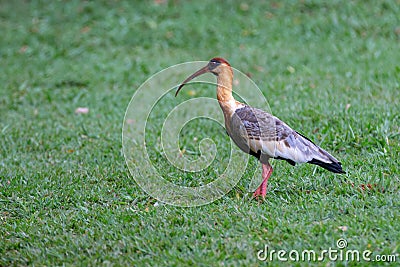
(329, 69)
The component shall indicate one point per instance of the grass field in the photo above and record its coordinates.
(329, 69)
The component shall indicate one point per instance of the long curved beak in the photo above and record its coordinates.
(194, 75)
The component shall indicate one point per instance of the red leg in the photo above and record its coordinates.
(266, 173)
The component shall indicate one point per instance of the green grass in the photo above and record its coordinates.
(66, 196)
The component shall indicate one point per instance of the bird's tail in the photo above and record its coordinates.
(323, 159)
(335, 167)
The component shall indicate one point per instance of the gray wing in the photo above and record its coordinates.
(259, 133)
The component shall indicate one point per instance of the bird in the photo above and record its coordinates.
(259, 133)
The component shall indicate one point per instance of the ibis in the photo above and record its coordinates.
(259, 133)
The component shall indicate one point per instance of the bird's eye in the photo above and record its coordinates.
(213, 64)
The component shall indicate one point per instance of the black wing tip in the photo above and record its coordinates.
(291, 162)
(335, 167)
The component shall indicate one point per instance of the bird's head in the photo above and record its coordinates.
(216, 66)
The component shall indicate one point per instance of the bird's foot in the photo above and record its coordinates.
(258, 196)
(261, 191)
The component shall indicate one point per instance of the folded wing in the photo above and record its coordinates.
(265, 136)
